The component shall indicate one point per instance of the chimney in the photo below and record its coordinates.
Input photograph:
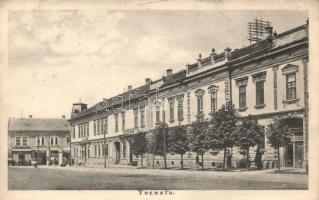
(30, 116)
(227, 53)
(169, 72)
(129, 88)
(269, 32)
(212, 57)
(63, 116)
(147, 81)
(199, 60)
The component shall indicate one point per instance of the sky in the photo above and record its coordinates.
(60, 57)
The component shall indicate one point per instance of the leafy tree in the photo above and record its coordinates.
(198, 139)
(177, 141)
(138, 144)
(249, 134)
(157, 144)
(278, 135)
(224, 125)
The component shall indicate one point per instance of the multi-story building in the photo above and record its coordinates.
(46, 141)
(265, 80)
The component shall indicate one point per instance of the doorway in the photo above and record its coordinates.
(117, 152)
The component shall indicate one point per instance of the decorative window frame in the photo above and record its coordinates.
(200, 93)
(157, 108)
(180, 99)
(171, 100)
(211, 90)
(287, 70)
(242, 82)
(259, 77)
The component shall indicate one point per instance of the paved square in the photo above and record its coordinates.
(70, 178)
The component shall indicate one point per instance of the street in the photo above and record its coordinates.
(76, 178)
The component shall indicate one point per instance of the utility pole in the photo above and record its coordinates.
(70, 158)
(104, 149)
(38, 148)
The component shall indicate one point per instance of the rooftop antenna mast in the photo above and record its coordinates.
(257, 30)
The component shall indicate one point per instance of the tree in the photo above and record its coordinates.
(197, 138)
(138, 144)
(278, 135)
(177, 141)
(224, 125)
(158, 142)
(249, 134)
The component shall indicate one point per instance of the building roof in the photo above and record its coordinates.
(38, 124)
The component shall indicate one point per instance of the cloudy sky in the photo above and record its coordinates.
(57, 57)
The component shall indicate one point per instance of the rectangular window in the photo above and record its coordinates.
(171, 111)
(213, 101)
(18, 141)
(94, 127)
(142, 117)
(180, 108)
(51, 141)
(99, 150)
(259, 93)
(56, 140)
(42, 140)
(116, 122)
(135, 111)
(95, 150)
(25, 141)
(157, 113)
(200, 105)
(242, 96)
(291, 86)
(87, 130)
(123, 121)
(73, 132)
(105, 125)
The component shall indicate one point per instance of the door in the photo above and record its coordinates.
(21, 158)
(298, 154)
(289, 156)
(117, 152)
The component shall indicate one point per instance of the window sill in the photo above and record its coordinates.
(290, 101)
(180, 119)
(172, 120)
(242, 109)
(200, 116)
(142, 126)
(260, 106)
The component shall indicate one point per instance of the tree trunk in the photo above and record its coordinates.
(224, 164)
(141, 160)
(165, 165)
(278, 160)
(153, 160)
(247, 159)
(182, 161)
(202, 160)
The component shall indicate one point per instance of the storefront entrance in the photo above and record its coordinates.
(294, 152)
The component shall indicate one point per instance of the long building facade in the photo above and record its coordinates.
(267, 79)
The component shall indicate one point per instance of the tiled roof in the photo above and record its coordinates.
(174, 78)
(38, 124)
(254, 48)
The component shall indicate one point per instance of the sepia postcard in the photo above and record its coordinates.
(159, 99)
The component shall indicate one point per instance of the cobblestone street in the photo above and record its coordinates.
(71, 178)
